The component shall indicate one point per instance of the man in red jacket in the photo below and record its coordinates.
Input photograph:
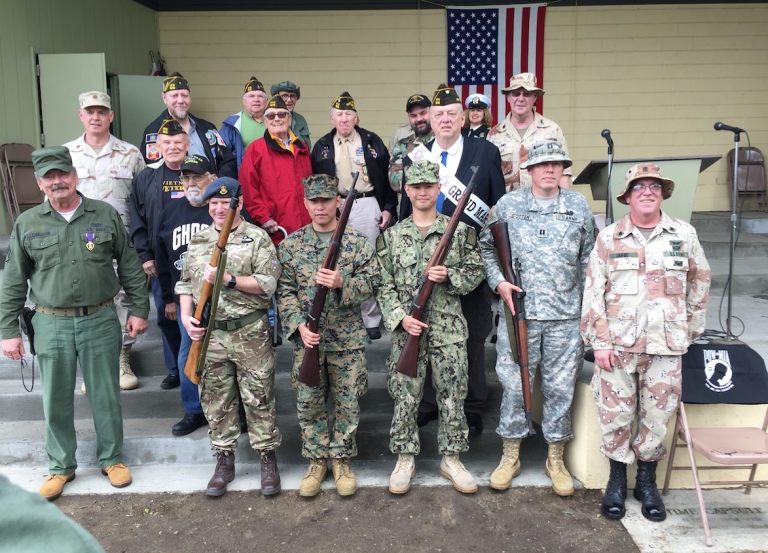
(271, 174)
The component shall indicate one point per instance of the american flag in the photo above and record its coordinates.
(488, 45)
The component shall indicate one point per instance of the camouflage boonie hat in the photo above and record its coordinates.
(422, 171)
(526, 81)
(546, 150)
(320, 186)
(645, 170)
(55, 157)
(95, 98)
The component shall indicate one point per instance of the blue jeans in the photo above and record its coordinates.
(190, 395)
(168, 329)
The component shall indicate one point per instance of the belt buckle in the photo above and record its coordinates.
(85, 311)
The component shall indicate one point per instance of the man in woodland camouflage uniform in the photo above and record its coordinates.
(645, 301)
(403, 252)
(240, 353)
(341, 335)
(551, 233)
(417, 107)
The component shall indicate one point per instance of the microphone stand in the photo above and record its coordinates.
(736, 138)
(608, 204)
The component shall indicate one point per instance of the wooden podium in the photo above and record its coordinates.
(683, 170)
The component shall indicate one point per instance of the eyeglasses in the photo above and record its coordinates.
(516, 93)
(287, 96)
(197, 179)
(655, 187)
(280, 115)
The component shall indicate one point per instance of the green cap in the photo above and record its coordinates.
(320, 186)
(55, 157)
(422, 171)
(285, 86)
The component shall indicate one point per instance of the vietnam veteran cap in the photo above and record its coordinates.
(95, 98)
(444, 96)
(546, 150)
(344, 101)
(276, 102)
(645, 170)
(320, 186)
(478, 101)
(421, 171)
(285, 86)
(196, 164)
(171, 127)
(175, 82)
(417, 100)
(254, 85)
(55, 157)
(223, 187)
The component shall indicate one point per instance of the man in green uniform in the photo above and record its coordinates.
(240, 353)
(342, 336)
(65, 247)
(403, 252)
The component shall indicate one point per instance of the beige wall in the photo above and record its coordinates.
(657, 76)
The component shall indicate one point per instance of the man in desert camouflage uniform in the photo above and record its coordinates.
(521, 129)
(551, 233)
(403, 252)
(240, 353)
(417, 107)
(645, 301)
(342, 336)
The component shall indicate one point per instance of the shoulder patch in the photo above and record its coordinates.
(381, 244)
(471, 236)
(151, 137)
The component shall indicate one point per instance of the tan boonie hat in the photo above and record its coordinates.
(422, 172)
(95, 98)
(526, 81)
(320, 186)
(546, 150)
(645, 170)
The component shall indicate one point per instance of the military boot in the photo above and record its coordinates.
(128, 380)
(310, 484)
(453, 469)
(346, 483)
(400, 481)
(222, 475)
(270, 475)
(647, 493)
(509, 467)
(562, 482)
(615, 492)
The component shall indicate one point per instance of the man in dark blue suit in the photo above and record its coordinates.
(458, 156)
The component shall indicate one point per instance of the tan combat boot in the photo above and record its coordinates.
(53, 487)
(562, 482)
(453, 469)
(400, 481)
(509, 467)
(128, 380)
(346, 484)
(310, 484)
(119, 475)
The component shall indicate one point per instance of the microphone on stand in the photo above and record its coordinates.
(608, 205)
(722, 127)
(607, 135)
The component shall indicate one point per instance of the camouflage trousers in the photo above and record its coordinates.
(556, 348)
(449, 379)
(653, 381)
(242, 359)
(343, 377)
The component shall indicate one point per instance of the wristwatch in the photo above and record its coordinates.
(232, 282)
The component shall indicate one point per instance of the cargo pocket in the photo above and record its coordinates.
(676, 329)
(622, 324)
(44, 250)
(624, 273)
(122, 178)
(675, 274)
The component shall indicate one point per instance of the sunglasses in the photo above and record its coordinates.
(281, 115)
(526, 94)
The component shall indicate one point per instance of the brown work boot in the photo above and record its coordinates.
(119, 475)
(310, 484)
(128, 380)
(223, 474)
(270, 475)
(346, 484)
(562, 482)
(53, 487)
(509, 467)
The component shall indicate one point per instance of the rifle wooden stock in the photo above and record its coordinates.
(310, 365)
(408, 360)
(190, 369)
(511, 270)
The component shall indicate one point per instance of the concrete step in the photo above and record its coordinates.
(720, 221)
(750, 276)
(748, 246)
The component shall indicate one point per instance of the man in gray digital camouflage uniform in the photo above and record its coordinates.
(341, 335)
(403, 252)
(240, 353)
(551, 232)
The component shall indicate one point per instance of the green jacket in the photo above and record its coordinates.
(301, 129)
(53, 255)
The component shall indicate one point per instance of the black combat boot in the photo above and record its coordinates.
(647, 493)
(223, 475)
(615, 492)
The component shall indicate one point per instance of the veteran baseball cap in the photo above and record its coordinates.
(254, 85)
(285, 86)
(344, 101)
(175, 82)
(55, 157)
(95, 98)
(526, 81)
(477, 101)
(546, 150)
(417, 100)
(320, 186)
(421, 172)
(196, 164)
(445, 95)
(223, 187)
(641, 171)
(276, 102)
(170, 127)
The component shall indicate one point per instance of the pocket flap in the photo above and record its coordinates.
(675, 263)
(98, 237)
(675, 315)
(120, 172)
(40, 242)
(615, 311)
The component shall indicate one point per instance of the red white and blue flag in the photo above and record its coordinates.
(488, 45)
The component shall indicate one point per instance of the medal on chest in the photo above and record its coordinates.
(89, 245)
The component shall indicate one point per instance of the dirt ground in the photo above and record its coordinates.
(436, 519)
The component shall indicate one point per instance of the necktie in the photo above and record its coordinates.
(345, 174)
(441, 196)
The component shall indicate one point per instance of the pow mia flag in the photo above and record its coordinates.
(730, 374)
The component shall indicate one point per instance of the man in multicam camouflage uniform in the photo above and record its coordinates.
(417, 107)
(522, 128)
(403, 252)
(551, 232)
(342, 336)
(240, 353)
(645, 301)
